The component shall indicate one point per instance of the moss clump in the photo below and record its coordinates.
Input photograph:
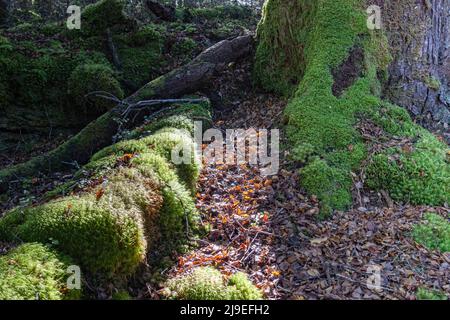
(432, 83)
(165, 141)
(33, 271)
(99, 16)
(146, 34)
(240, 288)
(182, 117)
(426, 294)
(329, 184)
(121, 295)
(207, 283)
(419, 174)
(434, 232)
(104, 231)
(140, 63)
(184, 47)
(87, 78)
(222, 12)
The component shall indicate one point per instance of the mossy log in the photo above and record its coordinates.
(100, 133)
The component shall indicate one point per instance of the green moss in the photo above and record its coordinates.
(282, 33)
(140, 64)
(165, 141)
(121, 295)
(419, 174)
(109, 227)
(222, 12)
(425, 294)
(99, 16)
(121, 148)
(207, 283)
(182, 117)
(432, 83)
(87, 78)
(184, 47)
(434, 232)
(33, 271)
(102, 233)
(330, 184)
(146, 34)
(240, 288)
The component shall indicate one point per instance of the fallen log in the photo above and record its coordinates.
(189, 78)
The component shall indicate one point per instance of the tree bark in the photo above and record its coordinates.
(419, 37)
(99, 133)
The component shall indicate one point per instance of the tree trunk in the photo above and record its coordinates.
(419, 36)
(99, 133)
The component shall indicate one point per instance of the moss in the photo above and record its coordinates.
(201, 284)
(184, 47)
(121, 295)
(99, 16)
(434, 232)
(330, 184)
(121, 148)
(426, 294)
(104, 231)
(240, 288)
(33, 271)
(182, 117)
(432, 83)
(301, 45)
(419, 174)
(207, 283)
(109, 223)
(146, 34)
(222, 12)
(282, 32)
(166, 140)
(87, 78)
(140, 64)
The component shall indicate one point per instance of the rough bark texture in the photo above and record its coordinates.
(419, 36)
(100, 133)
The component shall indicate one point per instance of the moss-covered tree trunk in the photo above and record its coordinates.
(322, 54)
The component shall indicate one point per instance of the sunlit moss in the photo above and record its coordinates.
(33, 271)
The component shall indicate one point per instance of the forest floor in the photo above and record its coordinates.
(269, 228)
